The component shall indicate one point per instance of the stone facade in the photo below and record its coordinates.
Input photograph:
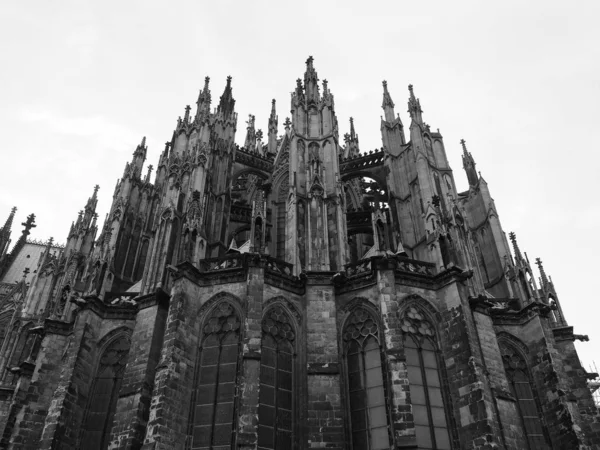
(292, 293)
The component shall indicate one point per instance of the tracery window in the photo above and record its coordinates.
(365, 383)
(103, 399)
(276, 403)
(519, 381)
(424, 377)
(214, 395)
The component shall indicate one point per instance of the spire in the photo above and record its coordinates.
(272, 137)
(544, 278)
(388, 104)
(227, 102)
(351, 140)
(5, 232)
(8, 224)
(311, 82)
(139, 157)
(469, 165)
(513, 239)
(414, 106)
(204, 99)
(90, 206)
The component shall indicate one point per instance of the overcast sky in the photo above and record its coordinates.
(82, 82)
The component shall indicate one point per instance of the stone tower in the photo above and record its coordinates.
(294, 293)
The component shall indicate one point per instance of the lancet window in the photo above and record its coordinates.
(211, 424)
(276, 400)
(425, 380)
(521, 388)
(104, 395)
(365, 382)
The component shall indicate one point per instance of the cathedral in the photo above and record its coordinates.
(296, 292)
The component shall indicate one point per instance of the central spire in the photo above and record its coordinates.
(311, 82)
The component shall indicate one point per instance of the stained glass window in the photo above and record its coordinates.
(521, 388)
(424, 377)
(214, 395)
(366, 386)
(276, 403)
(103, 399)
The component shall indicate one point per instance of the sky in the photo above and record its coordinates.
(82, 82)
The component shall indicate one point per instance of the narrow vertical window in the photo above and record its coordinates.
(521, 388)
(276, 382)
(103, 399)
(431, 426)
(365, 383)
(214, 395)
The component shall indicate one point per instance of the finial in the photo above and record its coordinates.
(384, 85)
(96, 188)
(287, 123)
(167, 145)
(309, 62)
(50, 241)
(538, 261)
(143, 144)
(410, 89)
(228, 80)
(29, 223)
(186, 118)
(299, 84)
(259, 134)
(206, 80)
(513, 239)
(273, 107)
(13, 210)
(325, 85)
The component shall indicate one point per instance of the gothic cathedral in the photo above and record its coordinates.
(291, 293)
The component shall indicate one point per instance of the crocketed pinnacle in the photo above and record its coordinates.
(227, 103)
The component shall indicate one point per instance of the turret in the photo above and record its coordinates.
(469, 165)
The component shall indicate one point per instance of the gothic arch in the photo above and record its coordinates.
(422, 304)
(212, 302)
(113, 334)
(287, 305)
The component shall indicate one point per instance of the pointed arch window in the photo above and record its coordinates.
(425, 380)
(103, 399)
(365, 383)
(276, 402)
(521, 388)
(211, 424)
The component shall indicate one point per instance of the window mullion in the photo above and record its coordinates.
(426, 392)
(216, 396)
(363, 375)
(275, 388)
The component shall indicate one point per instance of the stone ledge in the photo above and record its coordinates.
(323, 368)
